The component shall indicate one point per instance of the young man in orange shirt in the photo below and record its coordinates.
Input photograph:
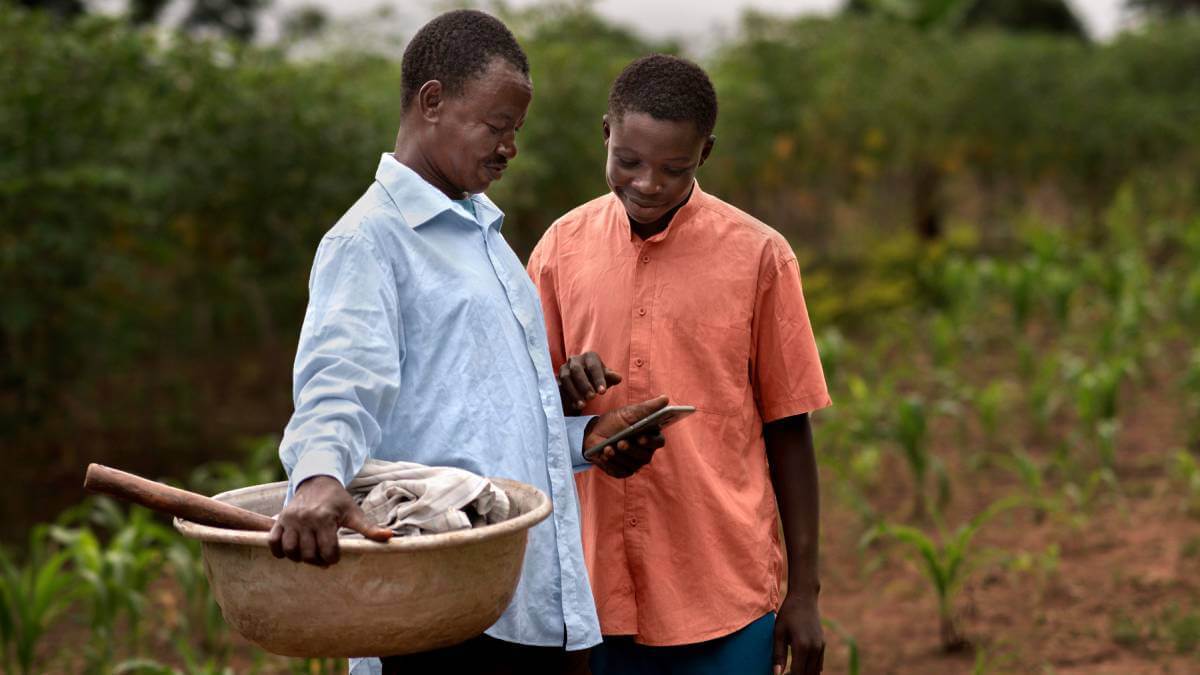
(687, 295)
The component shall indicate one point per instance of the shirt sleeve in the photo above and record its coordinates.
(576, 428)
(347, 372)
(785, 366)
(541, 269)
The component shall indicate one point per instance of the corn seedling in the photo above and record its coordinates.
(1191, 396)
(1096, 396)
(1021, 281)
(32, 596)
(853, 661)
(1031, 475)
(946, 561)
(1044, 395)
(832, 347)
(911, 434)
(201, 616)
(114, 575)
(991, 403)
(1185, 469)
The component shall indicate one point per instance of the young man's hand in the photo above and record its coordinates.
(581, 379)
(306, 529)
(627, 456)
(798, 626)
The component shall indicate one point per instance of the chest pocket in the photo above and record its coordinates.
(709, 365)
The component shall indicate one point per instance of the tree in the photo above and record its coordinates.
(65, 9)
(1047, 16)
(1166, 8)
(235, 18)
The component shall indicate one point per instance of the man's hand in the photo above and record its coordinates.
(799, 626)
(581, 379)
(627, 456)
(306, 530)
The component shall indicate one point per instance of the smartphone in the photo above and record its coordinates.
(661, 419)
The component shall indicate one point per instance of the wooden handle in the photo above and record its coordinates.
(166, 499)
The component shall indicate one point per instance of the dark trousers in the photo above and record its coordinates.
(488, 656)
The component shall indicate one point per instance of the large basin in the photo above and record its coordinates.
(408, 595)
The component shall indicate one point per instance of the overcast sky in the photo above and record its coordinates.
(679, 18)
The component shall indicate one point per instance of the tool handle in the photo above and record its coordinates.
(170, 500)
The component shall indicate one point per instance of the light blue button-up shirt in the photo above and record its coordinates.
(424, 342)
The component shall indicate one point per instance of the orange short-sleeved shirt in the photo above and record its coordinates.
(709, 311)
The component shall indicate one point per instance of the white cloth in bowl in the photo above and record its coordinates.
(410, 498)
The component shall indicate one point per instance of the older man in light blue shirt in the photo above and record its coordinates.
(424, 341)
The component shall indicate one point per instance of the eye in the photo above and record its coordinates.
(495, 129)
(675, 172)
(627, 163)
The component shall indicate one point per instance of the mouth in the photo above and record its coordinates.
(642, 204)
(497, 170)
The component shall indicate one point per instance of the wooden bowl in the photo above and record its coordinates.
(408, 595)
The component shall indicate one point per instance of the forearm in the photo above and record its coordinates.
(797, 491)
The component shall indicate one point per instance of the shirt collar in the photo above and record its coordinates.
(419, 202)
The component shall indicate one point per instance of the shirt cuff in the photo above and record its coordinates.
(315, 463)
(576, 429)
(797, 406)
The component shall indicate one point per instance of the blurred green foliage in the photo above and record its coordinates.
(161, 197)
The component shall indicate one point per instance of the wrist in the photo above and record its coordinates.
(803, 592)
(318, 482)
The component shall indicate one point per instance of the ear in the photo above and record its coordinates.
(607, 129)
(430, 100)
(707, 150)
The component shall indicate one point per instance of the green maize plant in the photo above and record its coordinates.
(910, 431)
(1044, 396)
(1191, 396)
(116, 574)
(1060, 288)
(833, 349)
(1097, 391)
(947, 561)
(990, 403)
(1031, 474)
(201, 617)
(32, 596)
(1021, 280)
(853, 660)
(944, 341)
(1185, 469)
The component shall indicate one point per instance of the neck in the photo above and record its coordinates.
(410, 153)
(647, 230)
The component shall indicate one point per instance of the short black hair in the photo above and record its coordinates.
(455, 47)
(666, 88)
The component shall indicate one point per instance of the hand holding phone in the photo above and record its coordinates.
(624, 440)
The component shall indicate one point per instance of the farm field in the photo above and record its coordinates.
(999, 237)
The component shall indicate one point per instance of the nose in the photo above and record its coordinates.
(507, 148)
(645, 183)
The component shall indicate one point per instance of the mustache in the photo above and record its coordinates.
(498, 161)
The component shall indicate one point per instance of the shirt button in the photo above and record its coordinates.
(638, 362)
(641, 311)
(645, 259)
(633, 522)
